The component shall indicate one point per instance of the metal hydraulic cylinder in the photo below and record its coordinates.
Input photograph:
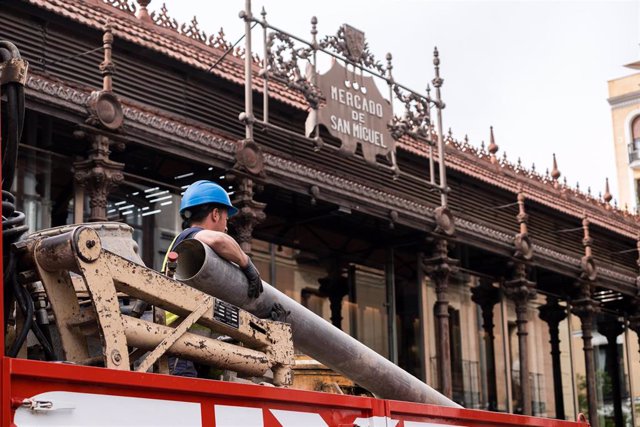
(201, 268)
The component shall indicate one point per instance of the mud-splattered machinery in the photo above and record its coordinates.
(85, 284)
(83, 276)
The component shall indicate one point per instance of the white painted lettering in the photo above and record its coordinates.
(365, 106)
(379, 110)
(344, 126)
(349, 99)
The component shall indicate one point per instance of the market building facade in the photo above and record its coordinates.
(499, 285)
(624, 99)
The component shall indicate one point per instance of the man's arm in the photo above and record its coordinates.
(225, 246)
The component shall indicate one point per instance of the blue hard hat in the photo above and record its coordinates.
(203, 192)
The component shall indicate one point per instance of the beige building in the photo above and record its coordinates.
(624, 98)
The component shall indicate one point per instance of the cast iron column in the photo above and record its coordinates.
(520, 291)
(487, 296)
(553, 313)
(612, 329)
(335, 286)
(439, 267)
(98, 175)
(586, 308)
(250, 213)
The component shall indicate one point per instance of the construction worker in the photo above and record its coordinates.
(205, 209)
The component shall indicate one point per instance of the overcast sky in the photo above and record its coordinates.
(535, 70)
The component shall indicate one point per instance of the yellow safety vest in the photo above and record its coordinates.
(169, 317)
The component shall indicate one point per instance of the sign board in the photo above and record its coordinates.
(355, 112)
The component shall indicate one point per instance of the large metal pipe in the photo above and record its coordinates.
(201, 268)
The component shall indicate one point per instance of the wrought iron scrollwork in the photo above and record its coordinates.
(350, 43)
(283, 65)
(416, 120)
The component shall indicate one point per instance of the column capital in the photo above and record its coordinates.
(552, 312)
(485, 294)
(98, 174)
(585, 308)
(250, 212)
(610, 328)
(437, 265)
(519, 289)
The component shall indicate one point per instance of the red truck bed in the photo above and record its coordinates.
(54, 394)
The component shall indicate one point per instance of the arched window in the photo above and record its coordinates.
(635, 133)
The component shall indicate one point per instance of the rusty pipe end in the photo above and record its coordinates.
(191, 258)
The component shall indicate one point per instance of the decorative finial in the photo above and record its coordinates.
(450, 133)
(389, 57)
(519, 163)
(314, 44)
(533, 168)
(263, 13)
(546, 174)
(107, 67)
(586, 240)
(429, 92)
(607, 193)
(143, 13)
(522, 243)
(577, 186)
(555, 172)
(437, 81)
(589, 191)
(482, 147)
(493, 147)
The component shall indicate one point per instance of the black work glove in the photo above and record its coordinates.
(255, 282)
(278, 313)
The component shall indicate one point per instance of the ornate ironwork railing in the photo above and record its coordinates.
(284, 54)
(634, 154)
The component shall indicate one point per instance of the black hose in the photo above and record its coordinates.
(26, 305)
(30, 324)
(13, 222)
(15, 118)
